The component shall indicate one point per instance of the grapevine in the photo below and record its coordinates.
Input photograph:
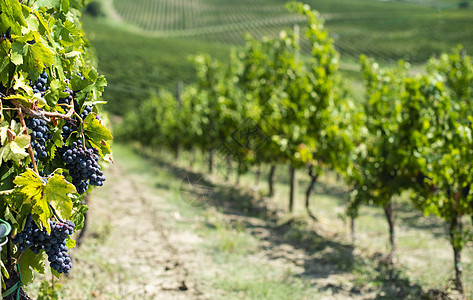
(51, 136)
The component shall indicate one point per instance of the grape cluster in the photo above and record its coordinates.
(39, 135)
(83, 166)
(41, 84)
(56, 248)
(54, 244)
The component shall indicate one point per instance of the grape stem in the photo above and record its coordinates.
(81, 128)
(44, 115)
(17, 260)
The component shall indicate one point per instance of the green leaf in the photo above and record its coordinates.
(19, 98)
(55, 273)
(78, 216)
(70, 243)
(6, 179)
(55, 4)
(5, 49)
(104, 148)
(20, 82)
(97, 133)
(43, 26)
(11, 16)
(56, 91)
(19, 144)
(65, 5)
(66, 33)
(30, 262)
(95, 130)
(57, 192)
(35, 54)
(90, 87)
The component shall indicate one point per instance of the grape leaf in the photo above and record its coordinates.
(70, 243)
(91, 86)
(43, 26)
(97, 134)
(35, 54)
(95, 130)
(54, 192)
(56, 91)
(19, 98)
(65, 5)
(16, 149)
(66, 33)
(29, 184)
(29, 263)
(48, 4)
(11, 16)
(5, 47)
(57, 192)
(22, 83)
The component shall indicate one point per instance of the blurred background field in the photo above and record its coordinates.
(144, 45)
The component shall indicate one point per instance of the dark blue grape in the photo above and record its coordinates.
(83, 166)
(54, 244)
(39, 136)
(41, 84)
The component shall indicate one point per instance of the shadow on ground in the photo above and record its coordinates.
(321, 257)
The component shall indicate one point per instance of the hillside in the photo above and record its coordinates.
(388, 30)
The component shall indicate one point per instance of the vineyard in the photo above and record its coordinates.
(310, 161)
(383, 29)
(409, 139)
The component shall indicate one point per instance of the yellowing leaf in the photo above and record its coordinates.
(29, 184)
(19, 144)
(22, 83)
(97, 134)
(57, 192)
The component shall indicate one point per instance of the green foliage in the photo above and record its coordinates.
(447, 150)
(412, 132)
(387, 30)
(137, 73)
(43, 36)
(47, 292)
(382, 157)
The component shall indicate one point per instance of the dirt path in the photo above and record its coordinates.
(139, 241)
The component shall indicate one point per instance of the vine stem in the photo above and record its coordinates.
(45, 115)
(30, 149)
(81, 128)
